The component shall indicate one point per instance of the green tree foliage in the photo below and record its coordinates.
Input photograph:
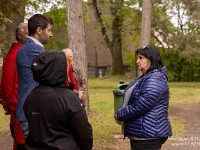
(43, 6)
(117, 21)
(131, 57)
(178, 44)
(182, 68)
(183, 56)
(9, 12)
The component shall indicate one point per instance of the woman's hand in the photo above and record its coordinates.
(80, 94)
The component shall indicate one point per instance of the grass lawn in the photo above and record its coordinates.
(4, 121)
(102, 111)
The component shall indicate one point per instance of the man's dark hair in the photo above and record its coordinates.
(38, 20)
(151, 53)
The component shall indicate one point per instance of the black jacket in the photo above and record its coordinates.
(56, 117)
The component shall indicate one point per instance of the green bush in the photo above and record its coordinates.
(182, 68)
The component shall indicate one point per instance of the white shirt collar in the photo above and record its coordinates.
(36, 41)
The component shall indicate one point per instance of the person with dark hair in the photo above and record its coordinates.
(56, 117)
(39, 28)
(144, 110)
(9, 86)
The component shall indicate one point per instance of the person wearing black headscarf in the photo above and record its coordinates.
(56, 117)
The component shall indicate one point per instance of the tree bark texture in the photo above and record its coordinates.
(115, 45)
(146, 22)
(146, 25)
(116, 51)
(12, 10)
(76, 39)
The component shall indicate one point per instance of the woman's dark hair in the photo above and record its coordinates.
(151, 53)
(38, 20)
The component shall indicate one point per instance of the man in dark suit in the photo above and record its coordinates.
(39, 29)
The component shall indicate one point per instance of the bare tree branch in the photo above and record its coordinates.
(100, 21)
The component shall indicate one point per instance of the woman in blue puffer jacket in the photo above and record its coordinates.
(144, 110)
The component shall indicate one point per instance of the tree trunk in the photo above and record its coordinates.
(116, 49)
(76, 39)
(146, 22)
(115, 45)
(146, 25)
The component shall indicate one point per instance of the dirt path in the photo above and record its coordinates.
(190, 140)
(6, 141)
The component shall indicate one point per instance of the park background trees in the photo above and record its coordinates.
(178, 42)
(118, 20)
(10, 16)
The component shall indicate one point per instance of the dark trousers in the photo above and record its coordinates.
(20, 147)
(154, 144)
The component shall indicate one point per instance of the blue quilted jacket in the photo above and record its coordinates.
(146, 114)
